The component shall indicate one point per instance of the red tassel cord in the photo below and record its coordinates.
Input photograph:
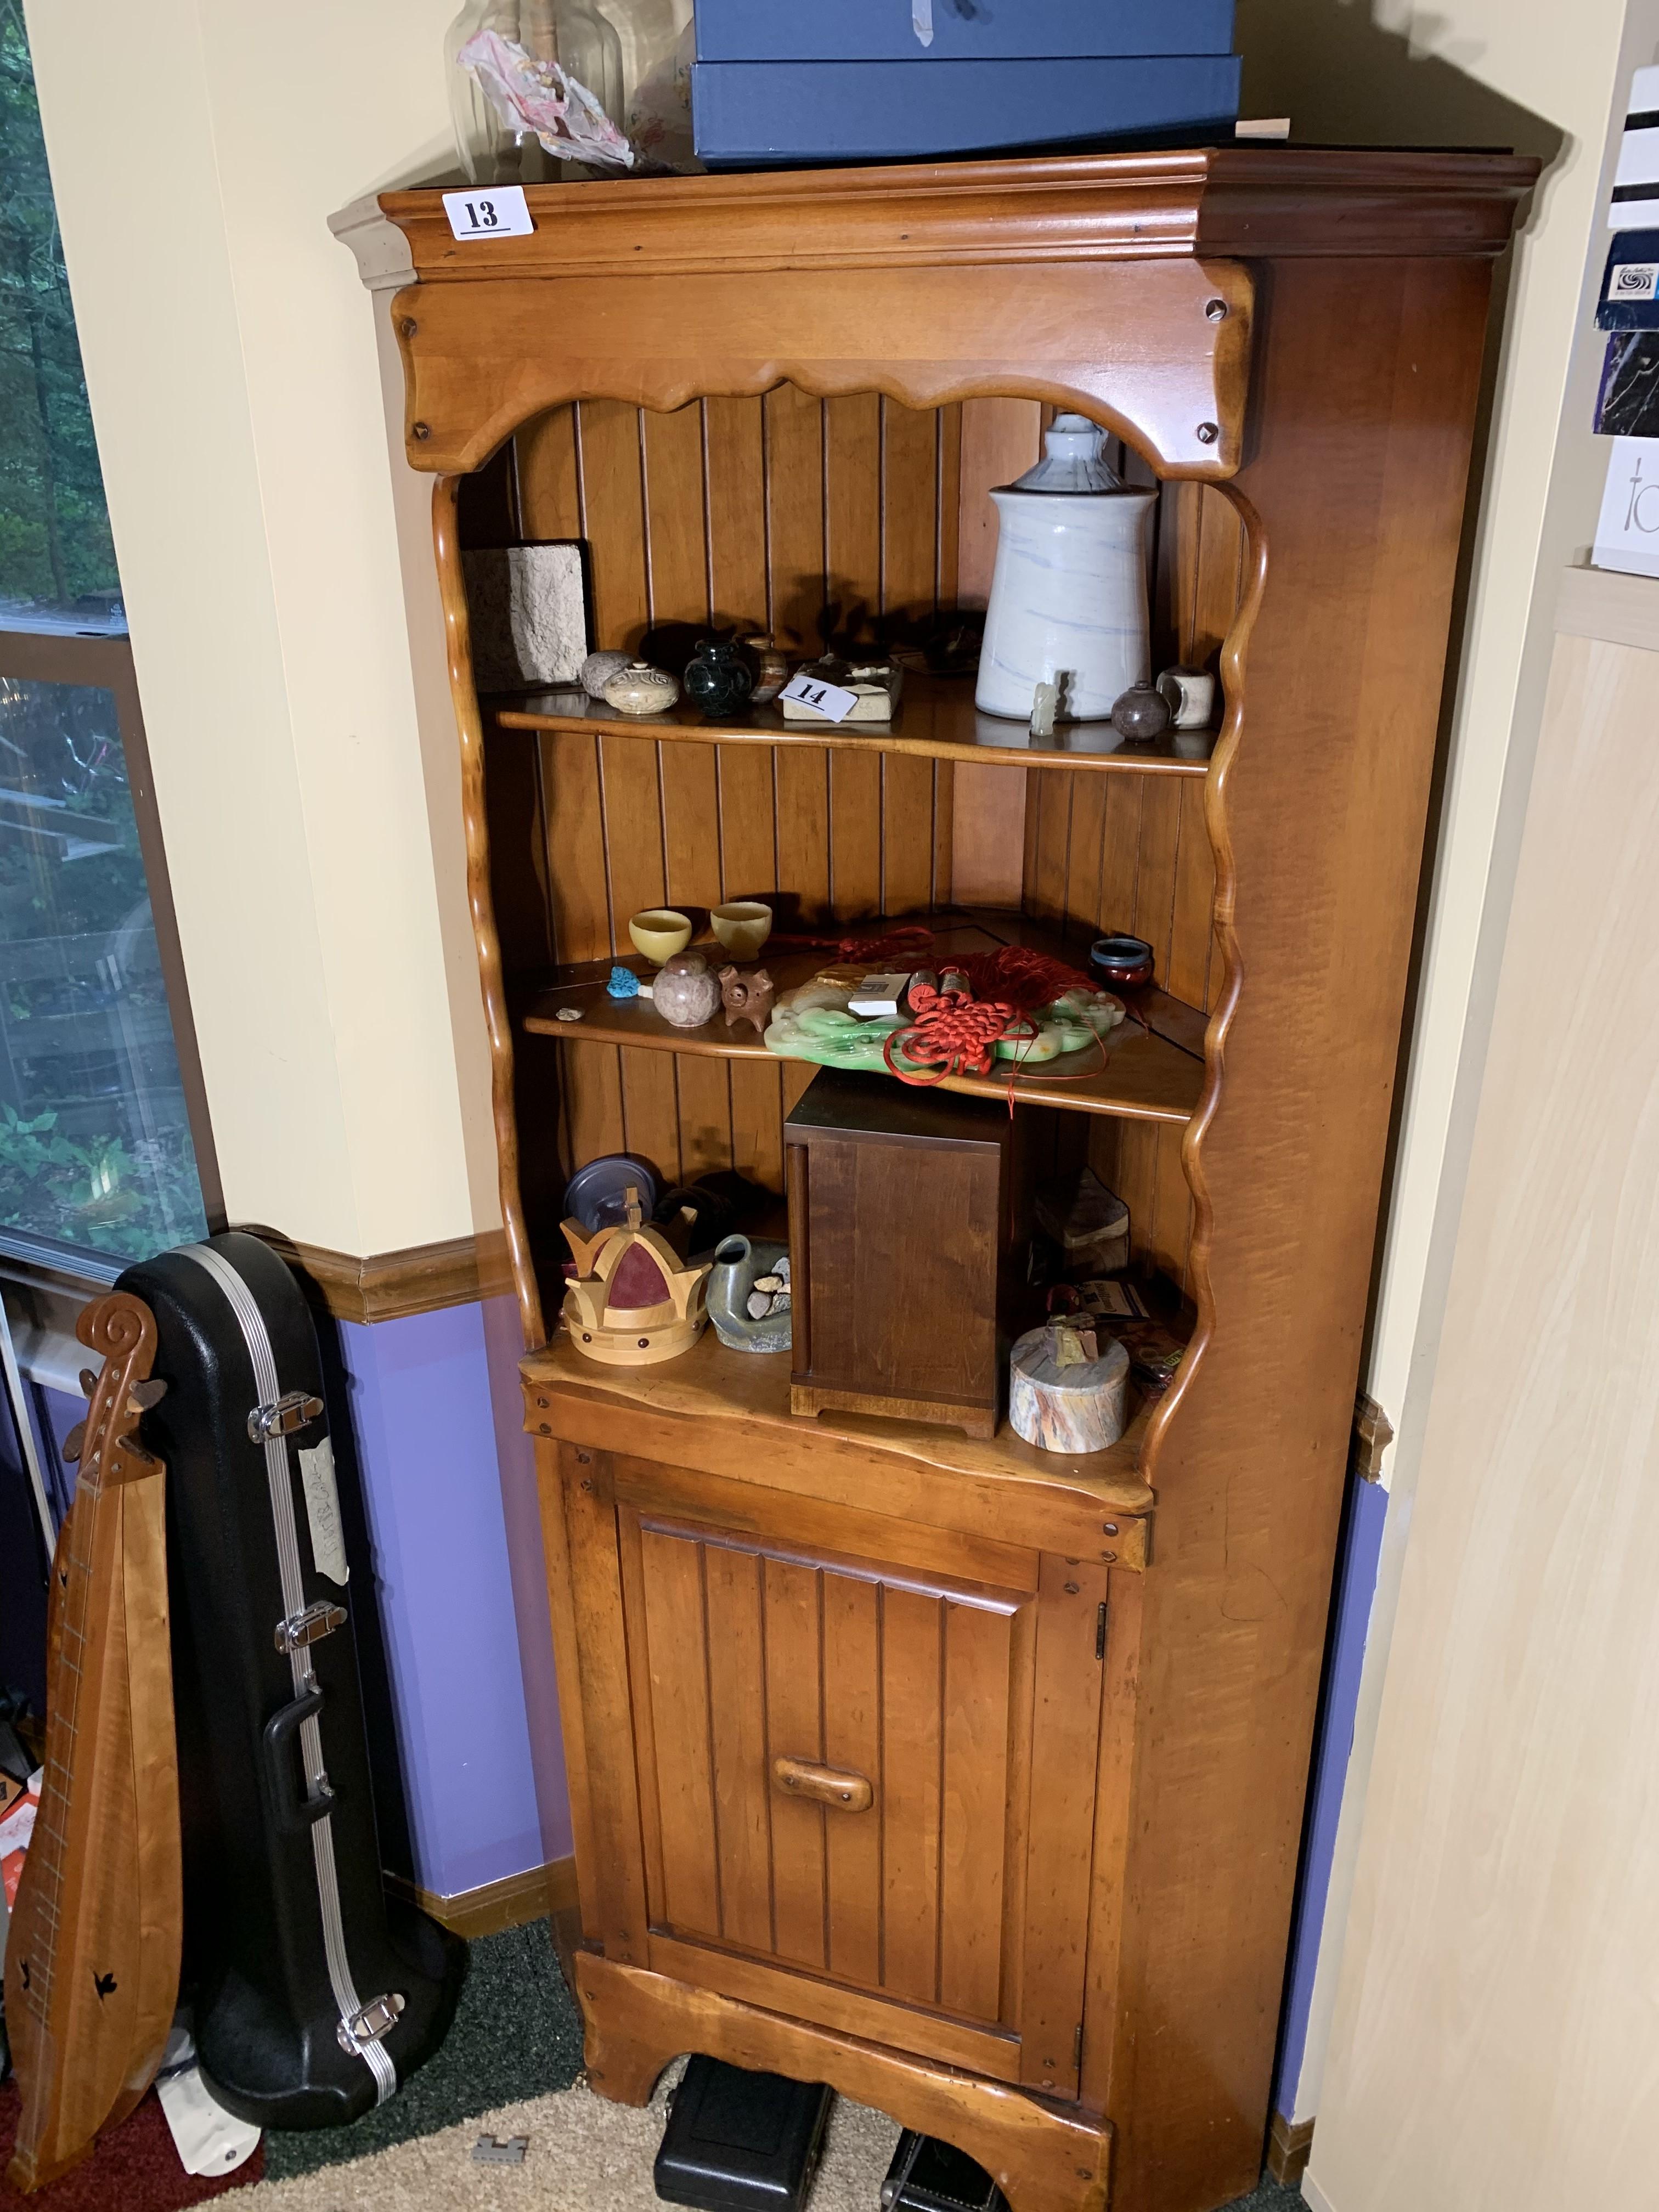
(909, 946)
(952, 1033)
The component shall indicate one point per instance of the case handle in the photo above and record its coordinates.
(295, 1813)
(837, 1787)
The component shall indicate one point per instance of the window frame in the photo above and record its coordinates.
(79, 657)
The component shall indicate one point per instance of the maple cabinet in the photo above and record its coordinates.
(964, 1777)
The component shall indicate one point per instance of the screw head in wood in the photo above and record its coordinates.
(583, 1459)
(1110, 1558)
(423, 431)
(1071, 1590)
(410, 324)
(1215, 309)
(542, 1402)
(1207, 433)
(1108, 1527)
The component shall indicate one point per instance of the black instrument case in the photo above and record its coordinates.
(315, 1994)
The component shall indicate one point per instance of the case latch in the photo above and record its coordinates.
(372, 2021)
(282, 1416)
(310, 1626)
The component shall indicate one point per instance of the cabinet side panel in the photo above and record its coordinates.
(1362, 403)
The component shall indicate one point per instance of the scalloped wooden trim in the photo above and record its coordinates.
(1233, 655)
(446, 542)
(1138, 345)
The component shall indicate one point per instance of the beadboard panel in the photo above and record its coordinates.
(849, 523)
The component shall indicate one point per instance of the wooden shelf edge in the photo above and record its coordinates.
(930, 712)
(711, 1382)
(1158, 1054)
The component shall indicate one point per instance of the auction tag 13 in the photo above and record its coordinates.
(826, 699)
(493, 211)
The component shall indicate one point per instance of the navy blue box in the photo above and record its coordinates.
(964, 30)
(758, 114)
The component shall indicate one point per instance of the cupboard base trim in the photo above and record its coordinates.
(1043, 2159)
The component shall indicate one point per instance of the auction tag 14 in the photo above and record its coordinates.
(493, 211)
(826, 699)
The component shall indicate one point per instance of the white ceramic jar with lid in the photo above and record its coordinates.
(1068, 597)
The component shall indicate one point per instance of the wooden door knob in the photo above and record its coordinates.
(835, 1786)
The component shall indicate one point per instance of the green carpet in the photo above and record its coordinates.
(516, 2035)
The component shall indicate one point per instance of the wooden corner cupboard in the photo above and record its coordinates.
(966, 1777)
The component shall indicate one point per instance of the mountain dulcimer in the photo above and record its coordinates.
(92, 1960)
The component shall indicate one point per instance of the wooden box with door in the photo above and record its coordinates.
(965, 1777)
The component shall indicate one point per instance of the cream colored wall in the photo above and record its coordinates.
(1550, 82)
(303, 750)
(1494, 2044)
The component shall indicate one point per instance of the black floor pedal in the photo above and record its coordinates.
(930, 2176)
(738, 2141)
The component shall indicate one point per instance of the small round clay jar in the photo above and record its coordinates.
(1141, 713)
(688, 992)
(642, 690)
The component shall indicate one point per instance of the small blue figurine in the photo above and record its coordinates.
(623, 984)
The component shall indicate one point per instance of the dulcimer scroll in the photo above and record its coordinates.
(92, 1959)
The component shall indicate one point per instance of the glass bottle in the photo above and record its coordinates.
(490, 152)
(583, 43)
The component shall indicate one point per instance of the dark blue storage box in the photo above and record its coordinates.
(761, 114)
(964, 30)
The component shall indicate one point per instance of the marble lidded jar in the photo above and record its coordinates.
(1068, 596)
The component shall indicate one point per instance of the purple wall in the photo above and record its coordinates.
(448, 1490)
(1356, 1587)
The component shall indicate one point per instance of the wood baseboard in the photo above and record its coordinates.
(1288, 2148)
(511, 1903)
(388, 1285)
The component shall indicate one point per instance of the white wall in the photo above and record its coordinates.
(304, 754)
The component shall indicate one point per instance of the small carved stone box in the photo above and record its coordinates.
(907, 1237)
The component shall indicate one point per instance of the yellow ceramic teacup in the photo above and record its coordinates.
(660, 934)
(742, 928)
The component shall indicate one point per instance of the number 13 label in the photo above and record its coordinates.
(492, 211)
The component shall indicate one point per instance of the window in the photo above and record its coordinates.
(96, 1148)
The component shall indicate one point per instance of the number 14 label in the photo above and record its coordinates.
(496, 211)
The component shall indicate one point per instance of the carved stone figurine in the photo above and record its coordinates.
(747, 998)
(687, 993)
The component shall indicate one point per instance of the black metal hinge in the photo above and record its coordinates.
(1100, 1648)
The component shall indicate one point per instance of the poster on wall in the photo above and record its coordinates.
(1627, 536)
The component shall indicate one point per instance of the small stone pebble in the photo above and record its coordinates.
(759, 1304)
(781, 1304)
(570, 1014)
(783, 1270)
(769, 1284)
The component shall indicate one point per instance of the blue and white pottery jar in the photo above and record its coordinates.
(1068, 597)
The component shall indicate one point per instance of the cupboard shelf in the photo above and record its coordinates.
(936, 721)
(1153, 1072)
(749, 1391)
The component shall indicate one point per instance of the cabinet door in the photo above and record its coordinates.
(866, 1787)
